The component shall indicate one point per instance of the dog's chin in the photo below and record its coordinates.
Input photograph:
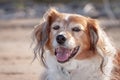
(65, 54)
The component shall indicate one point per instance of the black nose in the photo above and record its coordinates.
(60, 39)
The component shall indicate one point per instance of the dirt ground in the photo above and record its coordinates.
(16, 54)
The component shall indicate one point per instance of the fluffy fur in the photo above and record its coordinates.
(95, 59)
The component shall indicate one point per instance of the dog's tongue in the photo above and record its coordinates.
(62, 54)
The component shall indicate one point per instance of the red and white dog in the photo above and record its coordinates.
(74, 47)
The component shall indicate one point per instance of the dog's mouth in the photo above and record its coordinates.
(64, 54)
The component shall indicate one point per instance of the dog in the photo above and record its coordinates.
(74, 47)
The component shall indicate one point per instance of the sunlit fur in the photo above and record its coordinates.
(93, 61)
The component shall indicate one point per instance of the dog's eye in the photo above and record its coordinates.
(76, 29)
(56, 27)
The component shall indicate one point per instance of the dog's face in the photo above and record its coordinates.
(67, 36)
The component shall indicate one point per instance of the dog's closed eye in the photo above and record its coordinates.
(56, 27)
(76, 29)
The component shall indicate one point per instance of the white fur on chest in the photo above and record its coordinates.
(74, 69)
(88, 69)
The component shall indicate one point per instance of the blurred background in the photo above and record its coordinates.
(17, 21)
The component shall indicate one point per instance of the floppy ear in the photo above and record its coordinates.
(93, 33)
(42, 32)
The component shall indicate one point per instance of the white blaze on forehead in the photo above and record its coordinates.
(67, 17)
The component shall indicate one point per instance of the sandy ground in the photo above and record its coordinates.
(16, 54)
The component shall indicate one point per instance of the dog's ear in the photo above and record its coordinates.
(93, 33)
(42, 30)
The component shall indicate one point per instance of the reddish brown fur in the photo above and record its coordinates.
(86, 39)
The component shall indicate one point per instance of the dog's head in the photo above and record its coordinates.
(67, 36)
